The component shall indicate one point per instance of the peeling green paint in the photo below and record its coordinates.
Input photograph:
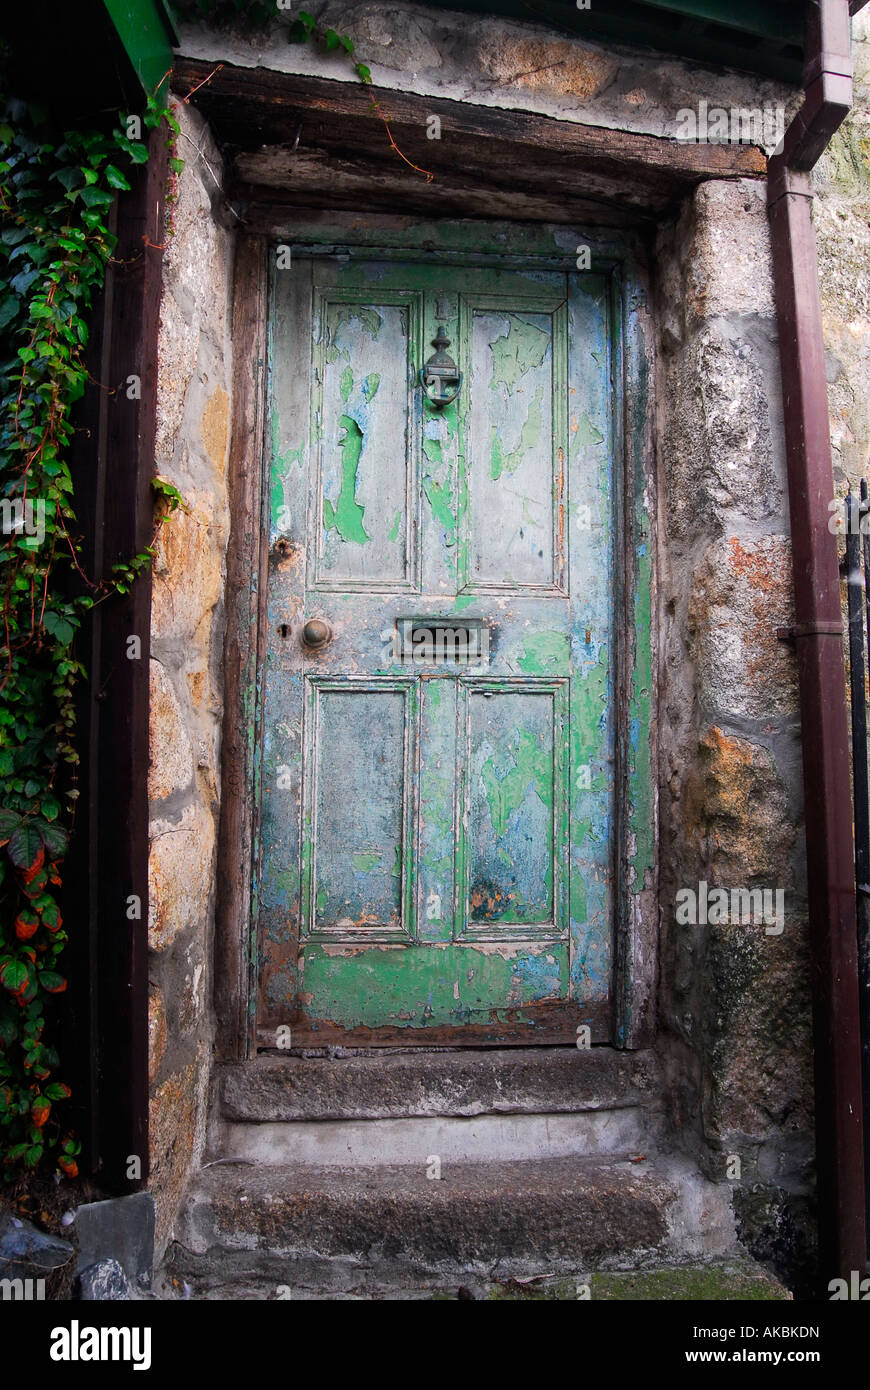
(358, 980)
(521, 349)
(500, 462)
(439, 500)
(441, 985)
(369, 318)
(533, 768)
(587, 433)
(546, 653)
(347, 515)
(366, 860)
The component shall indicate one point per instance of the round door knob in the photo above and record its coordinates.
(316, 633)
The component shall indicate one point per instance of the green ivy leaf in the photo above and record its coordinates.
(55, 838)
(51, 981)
(58, 627)
(96, 198)
(25, 843)
(301, 29)
(13, 975)
(115, 178)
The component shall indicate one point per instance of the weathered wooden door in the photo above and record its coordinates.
(436, 835)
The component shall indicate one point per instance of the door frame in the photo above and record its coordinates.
(621, 256)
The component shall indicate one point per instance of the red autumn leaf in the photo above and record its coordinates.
(40, 1110)
(26, 924)
(68, 1166)
(13, 975)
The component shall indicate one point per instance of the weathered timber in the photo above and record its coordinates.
(240, 655)
(336, 131)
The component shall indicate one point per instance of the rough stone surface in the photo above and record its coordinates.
(117, 1232)
(156, 1032)
(104, 1282)
(171, 753)
(734, 998)
(193, 422)
(502, 62)
(336, 1231)
(551, 66)
(27, 1252)
(715, 1282)
(188, 574)
(179, 342)
(179, 877)
(176, 1112)
(474, 1213)
(463, 1083)
(841, 214)
(741, 592)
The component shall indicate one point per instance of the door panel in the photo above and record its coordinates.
(360, 762)
(365, 532)
(436, 838)
(514, 438)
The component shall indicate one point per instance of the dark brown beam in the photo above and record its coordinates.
(253, 109)
(113, 467)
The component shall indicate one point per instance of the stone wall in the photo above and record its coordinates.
(841, 214)
(488, 60)
(193, 415)
(735, 997)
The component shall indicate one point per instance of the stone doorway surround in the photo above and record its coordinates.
(731, 1059)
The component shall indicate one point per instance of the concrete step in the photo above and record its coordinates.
(246, 1231)
(466, 1082)
(626, 1131)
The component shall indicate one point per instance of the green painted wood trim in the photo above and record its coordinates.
(146, 29)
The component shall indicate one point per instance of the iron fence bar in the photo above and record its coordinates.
(862, 849)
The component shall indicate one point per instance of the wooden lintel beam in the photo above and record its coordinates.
(252, 107)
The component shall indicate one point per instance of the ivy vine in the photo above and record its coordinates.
(57, 187)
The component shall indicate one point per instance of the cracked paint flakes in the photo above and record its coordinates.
(346, 514)
(447, 984)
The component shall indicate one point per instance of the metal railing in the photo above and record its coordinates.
(856, 567)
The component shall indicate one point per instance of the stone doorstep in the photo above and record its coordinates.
(628, 1131)
(386, 1226)
(463, 1082)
